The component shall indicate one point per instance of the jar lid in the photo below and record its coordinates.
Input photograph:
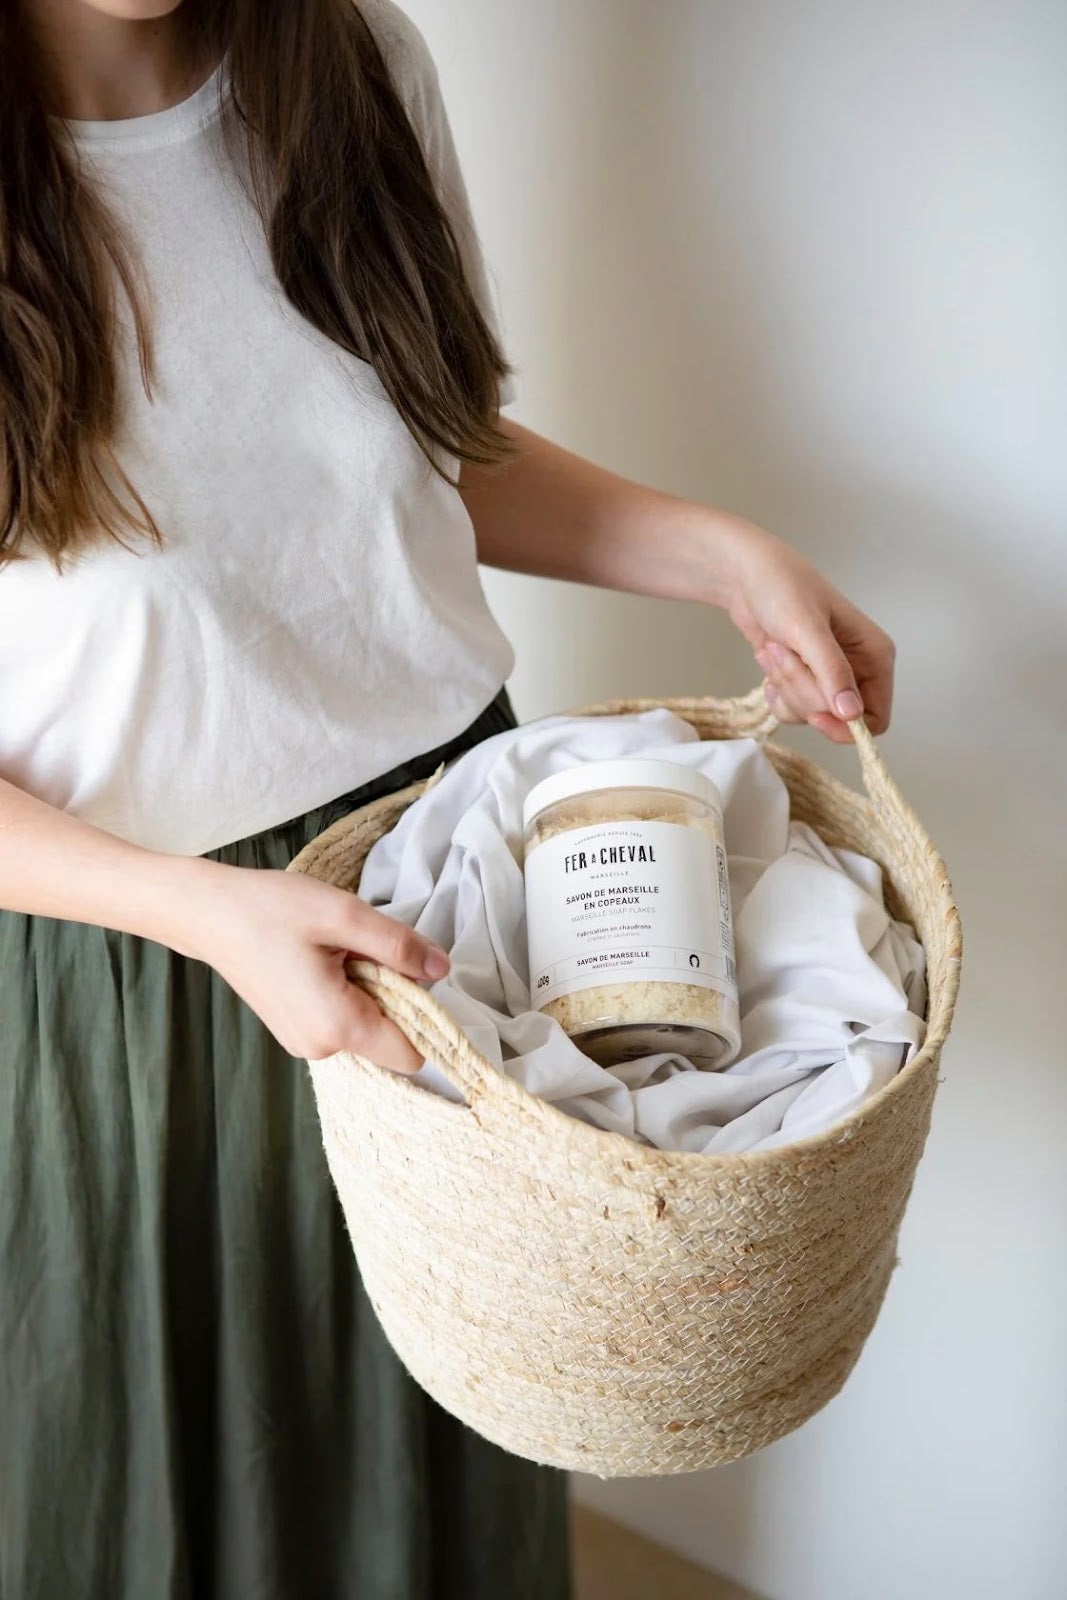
(635, 773)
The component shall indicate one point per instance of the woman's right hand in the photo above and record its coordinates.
(281, 940)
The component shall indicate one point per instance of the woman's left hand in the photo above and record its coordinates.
(825, 661)
(550, 513)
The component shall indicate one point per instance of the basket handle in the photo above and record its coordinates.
(434, 1033)
(876, 779)
(749, 716)
(436, 1037)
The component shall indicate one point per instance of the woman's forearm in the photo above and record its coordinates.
(53, 864)
(551, 514)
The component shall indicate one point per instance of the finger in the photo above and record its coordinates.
(802, 703)
(367, 932)
(772, 690)
(365, 1031)
(830, 669)
(873, 656)
(774, 698)
(876, 683)
(833, 728)
(794, 682)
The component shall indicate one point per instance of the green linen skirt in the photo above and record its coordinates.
(196, 1400)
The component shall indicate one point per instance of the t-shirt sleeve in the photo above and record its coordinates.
(414, 73)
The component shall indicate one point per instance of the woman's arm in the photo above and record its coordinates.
(550, 513)
(279, 939)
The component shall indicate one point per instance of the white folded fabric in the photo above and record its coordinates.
(832, 989)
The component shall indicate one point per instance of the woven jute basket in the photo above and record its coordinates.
(589, 1302)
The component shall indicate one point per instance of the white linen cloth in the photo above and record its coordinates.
(832, 989)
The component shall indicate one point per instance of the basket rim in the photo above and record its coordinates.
(638, 1160)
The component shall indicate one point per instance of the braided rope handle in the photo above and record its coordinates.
(434, 1033)
(750, 717)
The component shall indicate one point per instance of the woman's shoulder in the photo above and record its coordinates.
(406, 53)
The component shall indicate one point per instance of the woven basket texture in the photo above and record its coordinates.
(595, 1304)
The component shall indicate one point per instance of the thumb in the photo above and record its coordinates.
(365, 931)
(830, 668)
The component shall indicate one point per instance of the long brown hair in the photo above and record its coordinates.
(359, 238)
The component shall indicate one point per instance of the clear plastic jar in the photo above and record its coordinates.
(628, 911)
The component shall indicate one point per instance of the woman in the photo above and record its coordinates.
(250, 456)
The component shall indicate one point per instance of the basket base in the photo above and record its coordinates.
(601, 1430)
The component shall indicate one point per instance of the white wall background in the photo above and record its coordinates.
(808, 259)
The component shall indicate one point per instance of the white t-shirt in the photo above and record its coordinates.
(315, 616)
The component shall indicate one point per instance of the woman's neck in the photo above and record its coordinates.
(102, 68)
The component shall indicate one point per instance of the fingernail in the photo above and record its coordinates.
(770, 694)
(776, 653)
(435, 963)
(848, 705)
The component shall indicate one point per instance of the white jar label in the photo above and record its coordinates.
(628, 902)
